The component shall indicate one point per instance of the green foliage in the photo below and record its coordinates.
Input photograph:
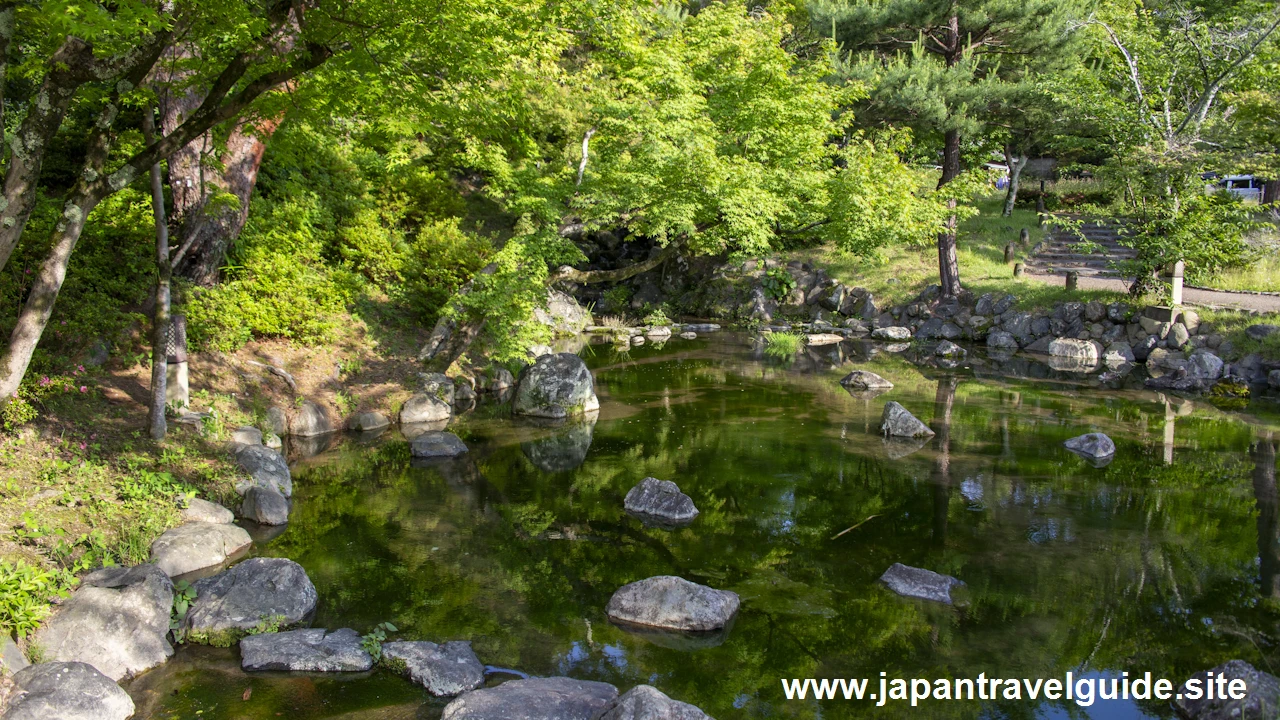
(778, 283)
(616, 298)
(267, 624)
(183, 595)
(441, 258)
(1205, 231)
(25, 592)
(35, 393)
(372, 640)
(783, 345)
(658, 317)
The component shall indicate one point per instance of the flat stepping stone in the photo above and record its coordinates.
(673, 603)
(437, 444)
(660, 500)
(198, 510)
(898, 422)
(645, 702)
(307, 650)
(864, 380)
(1092, 446)
(117, 622)
(196, 546)
(265, 506)
(241, 598)
(444, 670)
(66, 691)
(919, 583)
(553, 698)
(266, 468)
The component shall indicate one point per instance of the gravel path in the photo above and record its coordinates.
(1203, 298)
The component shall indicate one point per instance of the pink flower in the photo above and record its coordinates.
(82, 446)
(79, 368)
(84, 389)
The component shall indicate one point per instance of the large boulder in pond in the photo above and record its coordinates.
(309, 420)
(555, 386)
(266, 468)
(66, 691)
(673, 603)
(1085, 351)
(1092, 446)
(306, 650)
(436, 444)
(553, 698)
(919, 583)
(661, 501)
(865, 380)
(117, 622)
(445, 670)
(424, 408)
(237, 600)
(645, 702)
(265, 506)
(896, 421)
(196, 546)
(1261, 695)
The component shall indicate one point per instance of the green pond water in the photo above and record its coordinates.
(1166, 560)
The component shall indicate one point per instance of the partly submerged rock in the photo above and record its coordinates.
(553, 698)
(645, 702)
(117, 622)
(660, 500)
(865, 380)
(1086, 351)
(1261, 700)
(307, 650)
(310, 420)
(196, 546)
(891, 333)
(367, 421)
(436, 444)
(948, 349)
(555, 386)
(266, 468)
(444, 670)
(66, 691)
(272, 591)
(246, 435)
(265, 506)
(425, 407)
(919, 583)
(1092, 446)
(898, 422)
(673, 603)
(564, 449)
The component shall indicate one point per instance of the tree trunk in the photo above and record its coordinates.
(943, 401)
(160, 319)
(6, 35)
(1016, 163)
(948, 268)
(1264, 491)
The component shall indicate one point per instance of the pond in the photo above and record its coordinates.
(1165, 561)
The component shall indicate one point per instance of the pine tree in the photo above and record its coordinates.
(945, 67)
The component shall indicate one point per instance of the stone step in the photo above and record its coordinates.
(1052, 255)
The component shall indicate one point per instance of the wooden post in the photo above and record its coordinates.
(1040, 205)
(1073, 280)
(1008, 253)
(1017, 270)
(1179, 268)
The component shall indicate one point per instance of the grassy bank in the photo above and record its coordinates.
(900, 273)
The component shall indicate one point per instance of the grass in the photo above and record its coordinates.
(1261, 276)
(783, 345)
(1231, 325)
(898, 274)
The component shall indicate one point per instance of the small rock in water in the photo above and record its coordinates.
(1261, 700)
(662, 500)
(891, 333)
(673, 603)
(444, 670)
(864, 380)
(898, 422)
(948, 349)
(553, 698)
(1092, 446)
(645, 702)
(198, 510)
(235, 601)
(308, 650)
(919, 583)
(689, 335)
(700, 327)
(66, 691)
(820, 339)
(117, 622)
(425, 407)
(556, 386)
(366, 421)
(196, 546)
(310, 420)
(437, 444)
(265, 507)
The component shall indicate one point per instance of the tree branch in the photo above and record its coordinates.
(588, 277)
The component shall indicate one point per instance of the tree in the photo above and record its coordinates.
(943, 67)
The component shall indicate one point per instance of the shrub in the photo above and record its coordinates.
(783, 344)
(25, 592)
(441, 258)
